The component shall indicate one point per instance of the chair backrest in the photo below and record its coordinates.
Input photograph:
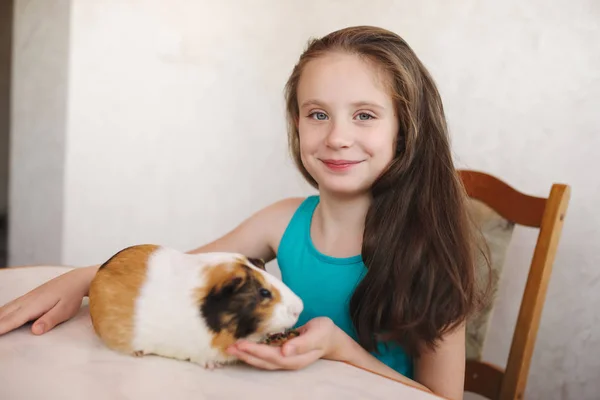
(498, 207)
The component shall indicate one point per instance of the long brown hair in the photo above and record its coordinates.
(418, 243)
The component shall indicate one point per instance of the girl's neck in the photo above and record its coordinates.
(338, 224)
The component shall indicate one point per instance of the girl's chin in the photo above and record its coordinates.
(348, 184)
(343, 189)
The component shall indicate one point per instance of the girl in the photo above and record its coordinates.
(383, 256)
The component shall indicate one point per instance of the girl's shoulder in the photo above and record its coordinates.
(258, 236)
(284, 207)
(278, 216)
(281, 214)
(274, 219)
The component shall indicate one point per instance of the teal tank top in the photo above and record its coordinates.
(325, 284)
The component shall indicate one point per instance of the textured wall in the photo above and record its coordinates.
(522, 88)
(175, 131)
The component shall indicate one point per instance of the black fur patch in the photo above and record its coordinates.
(232, 307)
(257, 262)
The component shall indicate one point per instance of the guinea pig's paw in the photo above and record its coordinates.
(212, 365)
(138, 353)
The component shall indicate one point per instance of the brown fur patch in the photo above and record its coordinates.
(244, 309)
(266, 308)
(112, 295)
(218, 276)
(223, 340)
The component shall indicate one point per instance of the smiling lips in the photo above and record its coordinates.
(339, 165)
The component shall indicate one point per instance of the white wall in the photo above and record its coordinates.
(176, 129)
(175, 132)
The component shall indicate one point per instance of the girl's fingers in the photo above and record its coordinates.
(252, 360)
(301, 360)
(18, 315)
(57, 314)
(272, 358)
(313, 336)
(262, 351)
(8, 308)
(304, 343)
(11, 319)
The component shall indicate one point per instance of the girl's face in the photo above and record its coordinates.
(347, 123)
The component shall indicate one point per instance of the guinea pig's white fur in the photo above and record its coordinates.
(149, 299)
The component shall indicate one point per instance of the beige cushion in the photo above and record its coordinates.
(497, 232)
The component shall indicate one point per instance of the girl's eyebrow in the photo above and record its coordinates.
(314, 102)
(368, 104)
(311, 102)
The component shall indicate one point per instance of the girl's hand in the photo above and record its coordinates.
(52, 303)
(316, 340)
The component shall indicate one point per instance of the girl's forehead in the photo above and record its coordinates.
(336, 77)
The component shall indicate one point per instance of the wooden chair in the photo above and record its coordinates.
(514, 208)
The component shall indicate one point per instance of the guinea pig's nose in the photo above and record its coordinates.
(295, 310)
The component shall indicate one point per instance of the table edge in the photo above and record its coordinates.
(396, 380)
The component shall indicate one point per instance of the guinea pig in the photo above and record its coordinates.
(150, 299)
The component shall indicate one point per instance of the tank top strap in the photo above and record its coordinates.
(299, 226)
(304, 213)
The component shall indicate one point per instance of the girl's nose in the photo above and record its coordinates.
(339, 136)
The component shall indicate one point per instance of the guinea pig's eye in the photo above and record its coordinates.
(265, 293)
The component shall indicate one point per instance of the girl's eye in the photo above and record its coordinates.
(365, 116)
(321, 116)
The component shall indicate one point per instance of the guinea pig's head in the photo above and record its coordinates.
(241, 299)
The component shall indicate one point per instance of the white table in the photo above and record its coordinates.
(70, 362)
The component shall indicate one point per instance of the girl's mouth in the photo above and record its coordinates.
(340, 165)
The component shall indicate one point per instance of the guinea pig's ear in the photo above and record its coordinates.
(257, 262)
(232, 285)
